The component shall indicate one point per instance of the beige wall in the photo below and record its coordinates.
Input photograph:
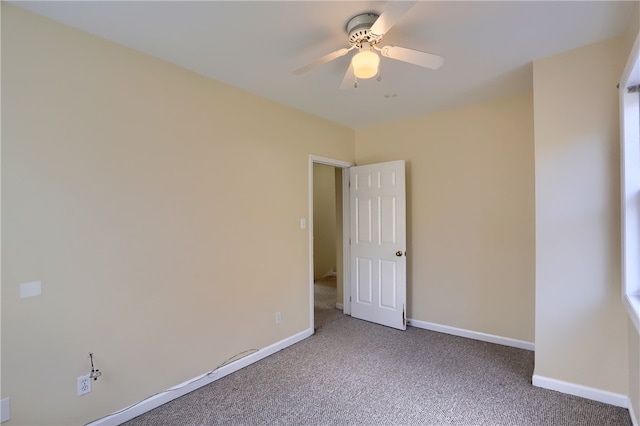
(155, 205)
(581, 325)
(324, 220)
(470, 213)
(157, 208)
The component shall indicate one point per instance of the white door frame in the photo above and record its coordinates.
(346, 268)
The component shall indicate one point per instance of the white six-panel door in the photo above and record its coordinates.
(378, 243)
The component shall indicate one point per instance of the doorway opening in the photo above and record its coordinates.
(327, 227)
(328, 187)
(374, 268)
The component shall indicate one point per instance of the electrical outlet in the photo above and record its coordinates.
(84, 385)
(278, 318)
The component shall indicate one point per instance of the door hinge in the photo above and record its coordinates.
(404, 317)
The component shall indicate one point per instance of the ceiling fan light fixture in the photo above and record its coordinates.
(365, 64)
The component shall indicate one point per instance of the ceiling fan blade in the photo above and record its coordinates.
(416, 57)
(323, 60)
(394, 11)
(349, 80)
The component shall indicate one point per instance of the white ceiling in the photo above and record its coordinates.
(255, 45)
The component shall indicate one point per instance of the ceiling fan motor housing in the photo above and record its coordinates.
(358, 29)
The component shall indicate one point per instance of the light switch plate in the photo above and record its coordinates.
(5, 410)
(30, 289)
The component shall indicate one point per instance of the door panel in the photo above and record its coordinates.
(365, 284)
(388, 219)
(389, 287)
(364, 225)
(378, 243)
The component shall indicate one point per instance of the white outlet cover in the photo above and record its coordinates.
(5, 410)
(84, 385)
(30, 289)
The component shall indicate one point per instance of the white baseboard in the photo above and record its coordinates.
(177, 391)
(587, 392)
(505, 341)
(330, 273)
(340, 306)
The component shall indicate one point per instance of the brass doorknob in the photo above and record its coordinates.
(399, 253)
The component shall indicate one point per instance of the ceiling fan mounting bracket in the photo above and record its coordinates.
(359, 27)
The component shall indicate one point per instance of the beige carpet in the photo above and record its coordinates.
(353, 372)
(325, 296)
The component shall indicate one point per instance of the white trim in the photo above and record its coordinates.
(197, 382)
(630, 74)
(630, 184)
(632, 303)
(310, 238)
(329, 161)
(476, 335)
(339, 306)
(330, 273)
(346, 246)
(587, 392)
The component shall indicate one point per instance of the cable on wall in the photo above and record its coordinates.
(210, 374)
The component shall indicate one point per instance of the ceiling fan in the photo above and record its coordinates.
(365, 32)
